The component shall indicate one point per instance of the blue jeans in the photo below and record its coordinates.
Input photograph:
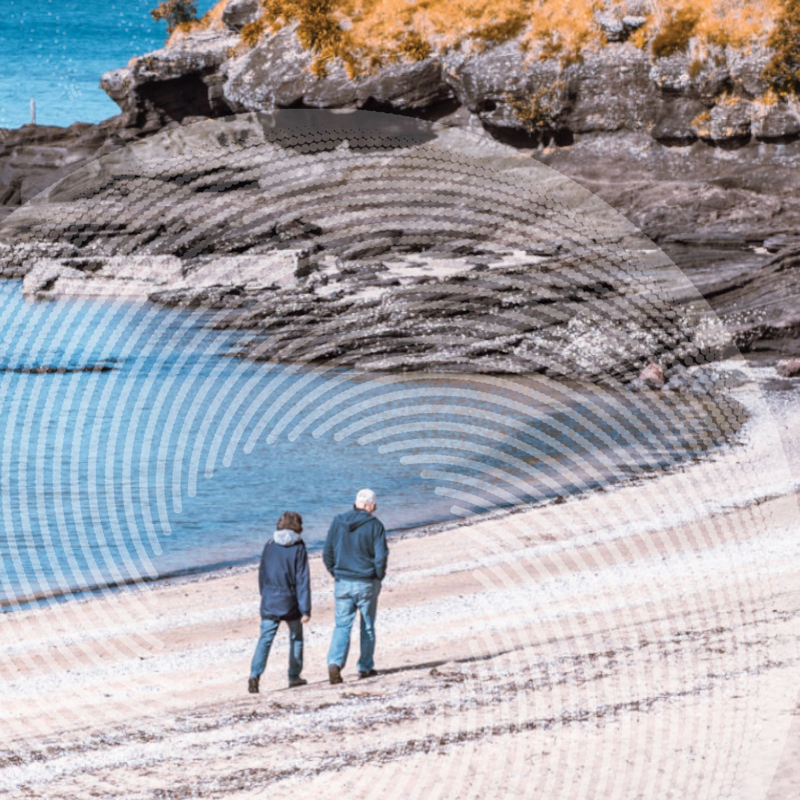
(269, 627)
(352, 596)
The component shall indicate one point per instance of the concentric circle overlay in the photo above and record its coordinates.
(274, 310)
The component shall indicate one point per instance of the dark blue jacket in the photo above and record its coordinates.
(355, 548)
(284, 582)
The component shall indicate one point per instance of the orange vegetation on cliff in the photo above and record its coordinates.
(367, 33)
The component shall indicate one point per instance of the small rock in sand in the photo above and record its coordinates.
(652, 376)
(789, 368)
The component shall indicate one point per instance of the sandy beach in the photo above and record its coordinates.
(467, 255)
(639, 642)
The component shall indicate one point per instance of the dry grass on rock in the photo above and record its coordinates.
(366, 34)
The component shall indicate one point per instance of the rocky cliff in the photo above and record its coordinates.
(712, 93)
(692, 147)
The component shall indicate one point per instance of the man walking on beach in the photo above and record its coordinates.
(355, 554)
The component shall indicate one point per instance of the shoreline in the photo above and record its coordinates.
(414, 531)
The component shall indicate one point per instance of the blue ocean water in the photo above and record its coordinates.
(132, 446)
(55, 51)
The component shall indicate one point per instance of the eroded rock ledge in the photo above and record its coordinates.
(722, 100)
(368, 240)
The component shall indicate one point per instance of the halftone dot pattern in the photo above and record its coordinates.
(367, 287)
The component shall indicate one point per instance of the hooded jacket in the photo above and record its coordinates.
(283, 578)
(355, 548)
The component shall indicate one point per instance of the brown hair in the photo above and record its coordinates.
(290, 520)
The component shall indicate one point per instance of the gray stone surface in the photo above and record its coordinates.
(612, 92)
(777, 122)
(711, 75)
(763, 311)
(747, 67)
(130, 276)
(670, 74)
(239, 13)
(178, 81)
(704, 379)
(139, 276)
(275, 74)
(674, 122)
(730, 121)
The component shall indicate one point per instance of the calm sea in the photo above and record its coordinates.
(132, 446)
(55, 51)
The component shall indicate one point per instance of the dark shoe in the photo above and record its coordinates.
(334, 673)
(369, 674)
(297, 682)
(252, 686)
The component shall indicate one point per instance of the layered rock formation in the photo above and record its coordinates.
(371, 240)
(34, 157)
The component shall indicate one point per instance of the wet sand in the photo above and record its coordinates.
(640, 642)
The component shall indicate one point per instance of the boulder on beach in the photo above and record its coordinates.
(652, 376)
(789, 368)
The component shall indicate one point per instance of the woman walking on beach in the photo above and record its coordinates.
(285, 588)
